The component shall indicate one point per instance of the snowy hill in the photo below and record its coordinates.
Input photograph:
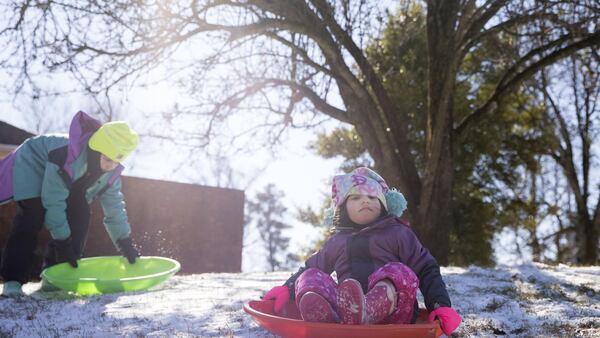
(521, 301)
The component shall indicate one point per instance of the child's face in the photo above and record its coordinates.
(106, 164)
(363, 209)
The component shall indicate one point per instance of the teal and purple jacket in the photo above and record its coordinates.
(46, 166)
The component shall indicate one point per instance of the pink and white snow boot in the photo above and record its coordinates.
(380, 302)
(351, 302)
(314, 308)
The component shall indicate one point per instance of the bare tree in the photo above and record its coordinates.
(288, 62)
(574, 120)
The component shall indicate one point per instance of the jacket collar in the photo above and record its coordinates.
(380, 223)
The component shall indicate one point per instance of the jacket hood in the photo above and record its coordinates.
(81, 129)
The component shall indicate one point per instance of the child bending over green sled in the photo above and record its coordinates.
(53, 179)
(378, 260)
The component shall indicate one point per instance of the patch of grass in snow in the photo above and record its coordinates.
(592, 324)
(590, 328)
(560, 329)
(225, 331)
(9, 332)
(495, 304)
(480, 327)
(554, 291)
(510, 292)
(518, 331)
(229, 307)
(530, 295)
(584, 289)
(532, 290)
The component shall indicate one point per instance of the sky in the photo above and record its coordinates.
(532, 300)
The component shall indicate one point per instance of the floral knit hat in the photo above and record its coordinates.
(364, 181)
(361, 181)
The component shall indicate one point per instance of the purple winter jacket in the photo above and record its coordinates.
(353, 253)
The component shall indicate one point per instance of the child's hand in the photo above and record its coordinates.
(281, 295)
(64, 252)
(127, 249)
(448, 317)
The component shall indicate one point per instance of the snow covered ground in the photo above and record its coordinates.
(521, 301)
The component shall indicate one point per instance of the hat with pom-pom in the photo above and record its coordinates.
(361, 181)
(364, 181)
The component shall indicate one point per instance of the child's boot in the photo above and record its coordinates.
(380, 302)
(314, 308)
(351, 302)
(12, 289)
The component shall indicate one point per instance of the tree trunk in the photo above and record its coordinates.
(586, 235)
(536, 248)
(531, 224)
(433, 217)
(594, 238)
(433, 220)
(587, 242)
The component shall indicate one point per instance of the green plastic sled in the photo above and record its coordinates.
(110, 274)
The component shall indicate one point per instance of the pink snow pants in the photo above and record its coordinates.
(402, 277)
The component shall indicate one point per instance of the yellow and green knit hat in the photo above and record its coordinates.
(114, 140)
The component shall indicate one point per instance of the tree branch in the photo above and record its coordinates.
(566, 158)
(467, 42)
(507, 83)
(386, 109)
(314, 98)
(559, 232)
(467, 30)
(301, 52)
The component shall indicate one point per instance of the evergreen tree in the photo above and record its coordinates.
(267, 212)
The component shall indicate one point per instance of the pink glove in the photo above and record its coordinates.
(281, 295)
(448, 317)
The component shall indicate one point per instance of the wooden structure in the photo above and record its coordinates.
(201, 227)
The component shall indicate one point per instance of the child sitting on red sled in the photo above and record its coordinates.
(378, 260)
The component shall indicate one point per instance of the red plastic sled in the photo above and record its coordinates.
(291, 325)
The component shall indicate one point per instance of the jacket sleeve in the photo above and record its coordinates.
(115, 216)
(419, 259)
(291, 282)
(320, 260)
(54, 199)
(324, 258)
